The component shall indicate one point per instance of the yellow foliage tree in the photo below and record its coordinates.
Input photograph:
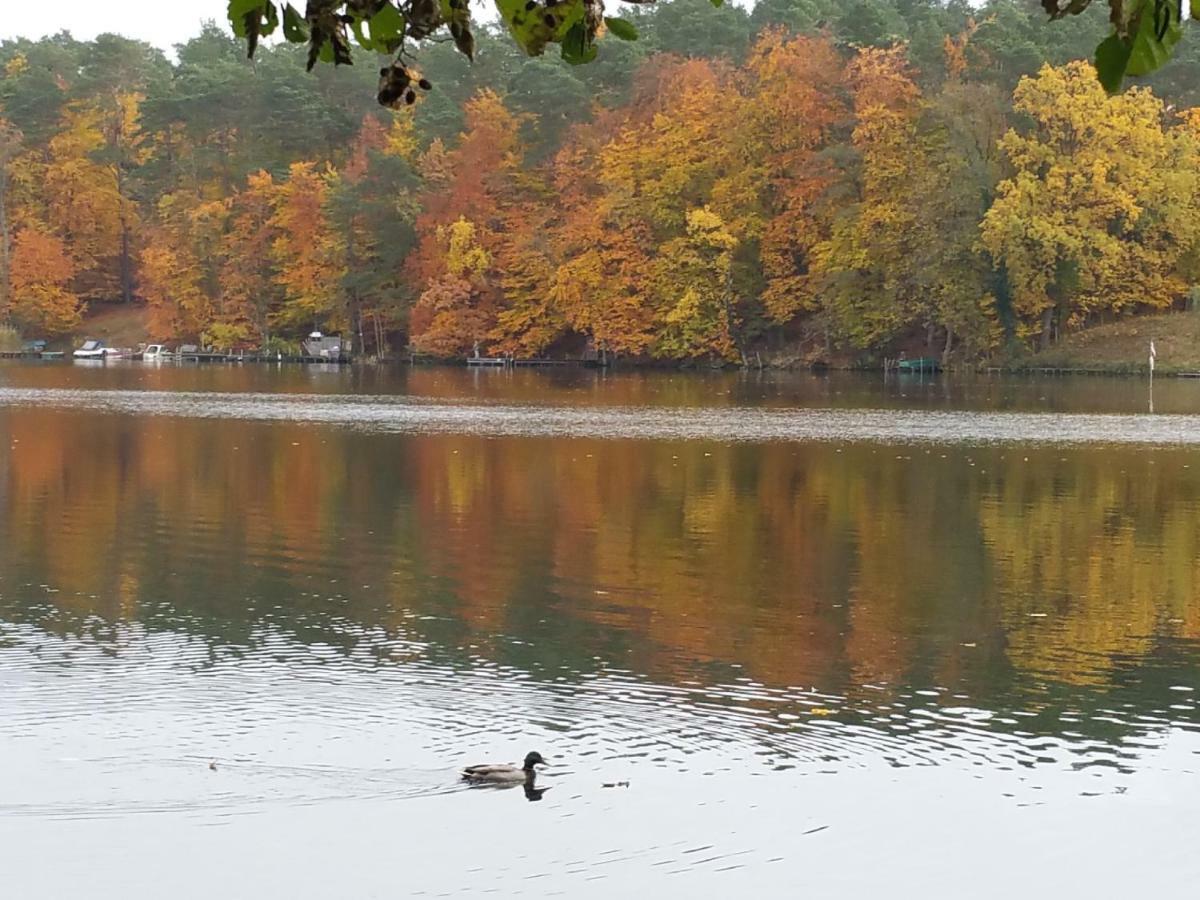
(601, 254)
(179, 267)
(1097, 210)
(248, 286)
(455, 314)
(88, 203)
(83, 205)
(866, 284)
(694, 281)
(304, 251)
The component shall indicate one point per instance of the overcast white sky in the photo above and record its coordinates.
(166, 24)
(161, 24)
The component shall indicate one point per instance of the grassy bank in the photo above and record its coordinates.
(10, 339)
(116, 325)
(1124, 347)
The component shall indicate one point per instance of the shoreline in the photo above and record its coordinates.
(1110, 371)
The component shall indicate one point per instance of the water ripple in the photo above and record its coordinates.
(411, 415)
(124, 704)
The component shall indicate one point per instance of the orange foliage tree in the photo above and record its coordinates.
(794, 107)
(40, 278)
(304, 251)
(456, 312)
(179, 267)
(599, 281)
(248, 285)
(468, 205)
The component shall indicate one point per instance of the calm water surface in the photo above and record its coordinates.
(839, 636)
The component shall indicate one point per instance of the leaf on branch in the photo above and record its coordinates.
(458, 18)
(536, 23)
(424, 18)
(1112, 58)
(361, 36)
(327, 40)
(294, 28)
(237, 11)
(1159, 30)
(387, 29)
(621, 28)
(577, 46)
(1140, 45)
(252, 19)
(464, 40)
(1073, 8)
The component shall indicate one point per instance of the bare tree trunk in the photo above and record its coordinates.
(727, 301)
(5, 287)
(949, 345)
(126, 264)
(1047, 323)
(358, 317)
(10, 140)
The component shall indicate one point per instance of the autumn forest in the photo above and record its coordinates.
(803, 178)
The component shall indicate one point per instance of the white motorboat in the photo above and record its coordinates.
(91, 350)
(155, 352)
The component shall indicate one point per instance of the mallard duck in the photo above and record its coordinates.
(499, 773)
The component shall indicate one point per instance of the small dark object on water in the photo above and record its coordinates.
(213, 765)
(922, 364)
(612, 784)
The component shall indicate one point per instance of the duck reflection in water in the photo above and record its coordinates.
(531, 793)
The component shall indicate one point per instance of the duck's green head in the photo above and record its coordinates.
(534, 759)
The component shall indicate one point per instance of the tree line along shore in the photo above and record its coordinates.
(804, 183)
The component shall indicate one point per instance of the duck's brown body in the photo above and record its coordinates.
(502, 773)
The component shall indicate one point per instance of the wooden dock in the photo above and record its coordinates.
(209, 356)
(30, 354)
(508, 362)
(196, 357)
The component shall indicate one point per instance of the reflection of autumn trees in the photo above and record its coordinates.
(1106, 580)
(810, 565)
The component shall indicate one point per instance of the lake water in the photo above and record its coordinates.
(777, 635)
